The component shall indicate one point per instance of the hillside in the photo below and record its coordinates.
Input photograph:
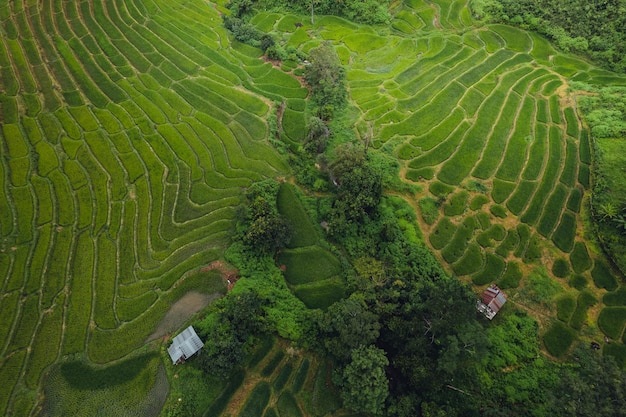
(129, 129)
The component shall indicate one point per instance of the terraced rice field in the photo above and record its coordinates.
(281, 382)
(482, 118)
(127, 129)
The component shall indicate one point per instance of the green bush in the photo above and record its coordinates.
(565, 307)
(257, 401)
(429, 210)
(611, 321)
(602, 276)
(558, 339)
(580, 258)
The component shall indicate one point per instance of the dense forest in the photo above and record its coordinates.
(594, 28)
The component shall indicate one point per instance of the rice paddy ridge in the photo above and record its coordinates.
(481, 117)
(128, 129)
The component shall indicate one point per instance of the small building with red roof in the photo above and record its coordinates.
(491, 301)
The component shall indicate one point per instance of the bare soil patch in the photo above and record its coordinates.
(180, 312)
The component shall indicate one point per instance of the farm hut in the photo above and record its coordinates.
(184, 345)
(491, 301)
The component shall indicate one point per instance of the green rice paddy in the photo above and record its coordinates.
(128, 129)
(458, 104)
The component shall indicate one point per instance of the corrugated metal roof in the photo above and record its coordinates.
(185, 345)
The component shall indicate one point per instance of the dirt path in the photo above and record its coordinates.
(179, 313)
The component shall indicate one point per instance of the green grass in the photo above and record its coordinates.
(563, 236)
(494, 267)
(511, 277)
(611, 321)
(579, 258)
(300, 377)
(558, 339)
(603, 277)
(510, 242)
(75, 388)
(288, 406)
(321, 294)
(440, 189)
(615, 298)
(471, 262)
(552, 210)
(585, 300)
(235, 381)
(307, 265)
(579, 282)
(282, 377)
(478, 201)
(560, 268)
(457, 246)
(457, 204)
(429, 210)
(442, 233)
(495, 233)
(290, 206)
(257, 400)
(498, 211)
(324, 398)
(565, 307)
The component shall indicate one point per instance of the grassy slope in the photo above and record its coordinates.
(127, 131)
(460, 105)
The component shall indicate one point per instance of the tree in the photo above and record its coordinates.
(594, 386)
(364, 384)
(228, 333)
(359, 188)
(317, 135)
(326, 76)
(261, 228)
(347, 325)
